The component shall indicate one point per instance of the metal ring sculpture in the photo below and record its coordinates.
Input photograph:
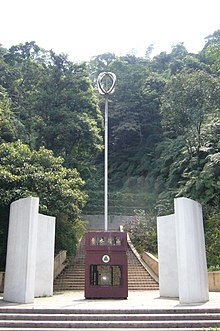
(101, 86)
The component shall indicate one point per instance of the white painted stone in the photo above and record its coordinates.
(167, 256)
(21, 251)
(191, 256)
(45, 256)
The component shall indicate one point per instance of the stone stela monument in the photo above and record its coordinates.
(181, 253)
(30, 253)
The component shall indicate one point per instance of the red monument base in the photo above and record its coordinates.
(106, 274)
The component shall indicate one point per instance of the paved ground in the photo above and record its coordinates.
(136, 299)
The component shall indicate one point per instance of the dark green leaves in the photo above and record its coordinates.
(38, 173)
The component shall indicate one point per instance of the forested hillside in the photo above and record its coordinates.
(164, 128)
(50, 135)
(164, 134)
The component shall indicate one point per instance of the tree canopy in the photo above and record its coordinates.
(24, 173)
(38, 173)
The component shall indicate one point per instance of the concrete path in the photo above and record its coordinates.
(136, 300)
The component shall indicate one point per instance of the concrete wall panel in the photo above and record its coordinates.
(96, 222)
(191, 255)
(21, 251)
(45, 256)
(167, 255)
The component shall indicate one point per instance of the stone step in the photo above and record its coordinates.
(72, 274)
(69, 284)
(141, 282)
(62, 283)
(76, 286)
(68, 277)
(81, 288)
(75, 282)
(109, 324)
(142, 287)
(134, 283)
(69, 281)
(111, 317)
(72, 269)
(77, 276)
(110, 329)
(144, 276)
(130, 280)
(69, 288)
(135, 269)
(122, 311)
(137, 272)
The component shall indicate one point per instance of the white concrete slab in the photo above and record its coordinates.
(167, 256)
(45, 256)
(191, 255)
(21, 251)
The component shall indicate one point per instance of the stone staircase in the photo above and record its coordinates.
(43, 319)
(73, 276)
(138, 277)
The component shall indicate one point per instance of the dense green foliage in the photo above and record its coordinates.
(54, 102)
(143, 232)
(212, 234)
(38, 173)
(164, 130)
(49, 104)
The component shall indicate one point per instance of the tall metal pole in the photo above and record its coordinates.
(106, 88)
(106, 164)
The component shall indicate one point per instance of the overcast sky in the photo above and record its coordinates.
(85, 28)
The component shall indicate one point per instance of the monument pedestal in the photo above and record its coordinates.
(106, 274)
